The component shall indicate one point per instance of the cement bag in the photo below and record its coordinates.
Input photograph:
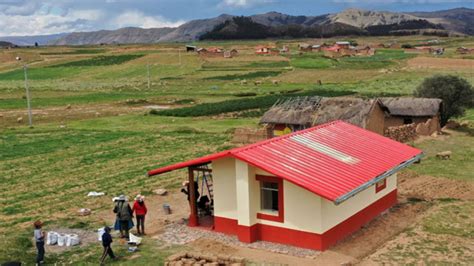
(134, 239)
(61, 240)
(72, 240)
(52, 238)
(100, 232)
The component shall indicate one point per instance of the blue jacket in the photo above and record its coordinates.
(106, 239)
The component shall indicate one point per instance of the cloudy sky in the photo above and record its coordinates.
(34, 17)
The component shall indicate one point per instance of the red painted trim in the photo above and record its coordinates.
(247, 234)
(281, 209)
(380, 187)
(306, 239)
(225, 225)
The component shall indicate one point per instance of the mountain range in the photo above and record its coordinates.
(459, 21)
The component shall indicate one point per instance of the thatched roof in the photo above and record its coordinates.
(412, 106)
(293, 111)
(351, 110)
(308, 111)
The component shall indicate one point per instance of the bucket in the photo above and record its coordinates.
(166, 208)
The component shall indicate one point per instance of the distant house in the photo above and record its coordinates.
(191, 48)
(262, 49)
(304, 47)
(406, 110)
(343, 45)
(464, 50)
(364, 51)
(231, 53)
(211, 51)
(285, 49)
(299, 113)
(426, 50)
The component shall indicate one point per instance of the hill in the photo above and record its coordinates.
(6, 44)
(350, 21)
(30, 40)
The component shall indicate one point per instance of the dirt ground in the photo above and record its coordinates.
(442, 63)
(64, 114)
(415, 194)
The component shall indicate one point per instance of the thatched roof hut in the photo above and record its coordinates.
(309, 111)
(415, 107)
(293, 111)
(352, 110)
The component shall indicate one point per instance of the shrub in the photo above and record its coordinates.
(456, 93)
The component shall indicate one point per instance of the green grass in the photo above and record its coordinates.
(461, 164)
(452, 219)
(101, 61)
(312, 61)
(76, 52)
(382, 59)
(252, 75)
(262, 102)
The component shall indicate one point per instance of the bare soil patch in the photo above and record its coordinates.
(431, 188)
(442, 63)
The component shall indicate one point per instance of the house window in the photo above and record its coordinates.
(407, 121)
(271, 198)
(380, 185)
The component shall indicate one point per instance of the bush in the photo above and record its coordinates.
(456, 93)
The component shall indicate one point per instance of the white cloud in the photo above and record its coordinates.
(139, 19)
(243, 3)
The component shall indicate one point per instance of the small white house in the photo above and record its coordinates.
(309, 189)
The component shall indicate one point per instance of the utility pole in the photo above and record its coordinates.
(179, 55)
(148, 74)
(30, 119)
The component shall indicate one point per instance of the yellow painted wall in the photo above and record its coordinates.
(223, 173)
(335, 214)
(237, 196)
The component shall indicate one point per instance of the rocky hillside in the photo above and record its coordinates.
(350, 21)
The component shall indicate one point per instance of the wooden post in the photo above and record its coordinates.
(193, 217)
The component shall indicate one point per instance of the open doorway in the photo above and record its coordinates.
(201, 196)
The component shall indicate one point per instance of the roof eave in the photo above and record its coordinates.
(386, 174)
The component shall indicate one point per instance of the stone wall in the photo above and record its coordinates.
(198, 259)
(402, 133)
(249, 135)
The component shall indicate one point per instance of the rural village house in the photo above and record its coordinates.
(309, 189)
(379, 115)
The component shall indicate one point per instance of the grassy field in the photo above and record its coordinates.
(47, 171)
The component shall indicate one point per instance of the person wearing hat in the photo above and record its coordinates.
(39, 239)
(106, 242)
(140, 210)
(124, 215)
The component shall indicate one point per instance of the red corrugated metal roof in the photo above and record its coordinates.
(335, 160)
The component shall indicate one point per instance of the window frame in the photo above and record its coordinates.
(381, 185)
(265, 216)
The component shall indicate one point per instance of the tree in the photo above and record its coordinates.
(456, 93)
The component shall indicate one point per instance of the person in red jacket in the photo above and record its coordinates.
(140, 210)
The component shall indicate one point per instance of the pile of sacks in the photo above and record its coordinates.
(68, 240)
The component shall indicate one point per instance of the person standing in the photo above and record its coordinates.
(106, 242)
(39, 239)
(124, 215)
(140, 210)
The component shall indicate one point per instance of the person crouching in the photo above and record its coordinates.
(106, 242)
(140, 210)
